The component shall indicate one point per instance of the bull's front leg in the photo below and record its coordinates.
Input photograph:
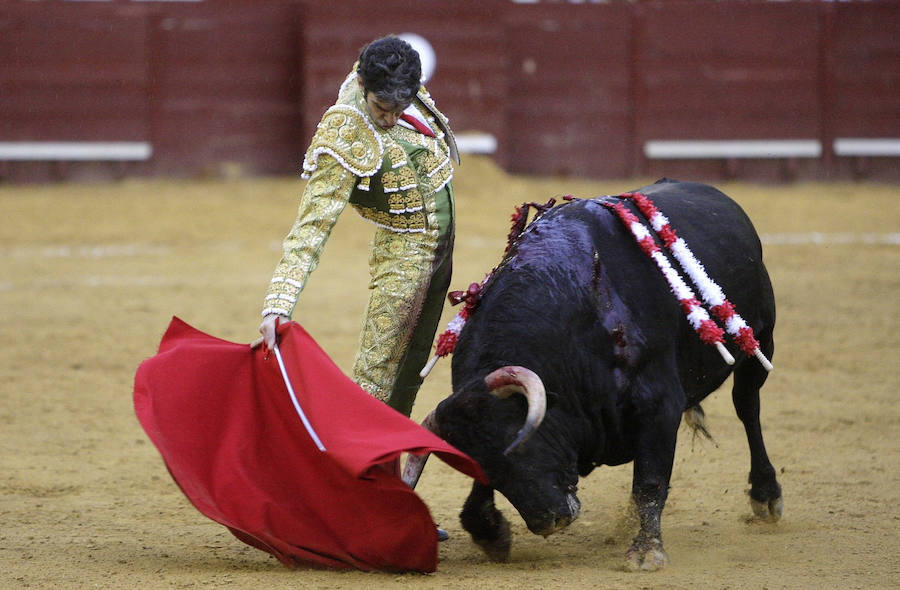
(488, 527)
(653, 461)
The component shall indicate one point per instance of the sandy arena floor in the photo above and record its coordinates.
(91, 274)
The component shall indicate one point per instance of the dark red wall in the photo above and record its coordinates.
(225, 86)
(569, 107)
(74, 72)
(728, 71)
(573, 88)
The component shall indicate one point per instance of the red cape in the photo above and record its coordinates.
(226, 427)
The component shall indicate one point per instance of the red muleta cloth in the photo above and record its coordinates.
(223, 421)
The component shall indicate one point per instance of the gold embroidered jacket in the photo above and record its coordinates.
(385, 174)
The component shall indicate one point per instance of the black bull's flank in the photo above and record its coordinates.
(578, 318)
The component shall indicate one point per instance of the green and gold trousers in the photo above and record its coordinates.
(410, 275)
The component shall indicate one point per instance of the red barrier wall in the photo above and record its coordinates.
(72, 71)
(728, 71)
(569, 108)
(225, 87)
(573, 88)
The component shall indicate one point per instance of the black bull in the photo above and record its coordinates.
(576, 309)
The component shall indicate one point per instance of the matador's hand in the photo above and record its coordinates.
(267, 329)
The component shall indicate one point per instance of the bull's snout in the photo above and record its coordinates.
(555, 520)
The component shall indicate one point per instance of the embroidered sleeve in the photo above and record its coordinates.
(323, 200)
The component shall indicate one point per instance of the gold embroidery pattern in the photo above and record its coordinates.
(390, 181)
(397, 202)
(400, 267)
(414, 222)
(396, 155)
(409, 186)
(345, 134)
(413, 200)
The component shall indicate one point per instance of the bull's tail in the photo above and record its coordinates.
(695, 417)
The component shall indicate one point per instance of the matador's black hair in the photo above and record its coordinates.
(390, 68)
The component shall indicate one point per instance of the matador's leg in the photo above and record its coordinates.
(410, 274)
(406, 386)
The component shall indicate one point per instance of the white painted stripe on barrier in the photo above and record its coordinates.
(663, 149)
(70, 151)
(829, 239)
(863, 146)
(476, 143)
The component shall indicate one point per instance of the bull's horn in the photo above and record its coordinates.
(506, 381)
(412, 471)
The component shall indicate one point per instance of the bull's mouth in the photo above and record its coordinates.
(553, 521)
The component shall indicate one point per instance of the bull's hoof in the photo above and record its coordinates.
(769, 511)
(497, 549)
(646, 557)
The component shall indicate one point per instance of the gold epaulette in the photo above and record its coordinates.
(345, 134)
